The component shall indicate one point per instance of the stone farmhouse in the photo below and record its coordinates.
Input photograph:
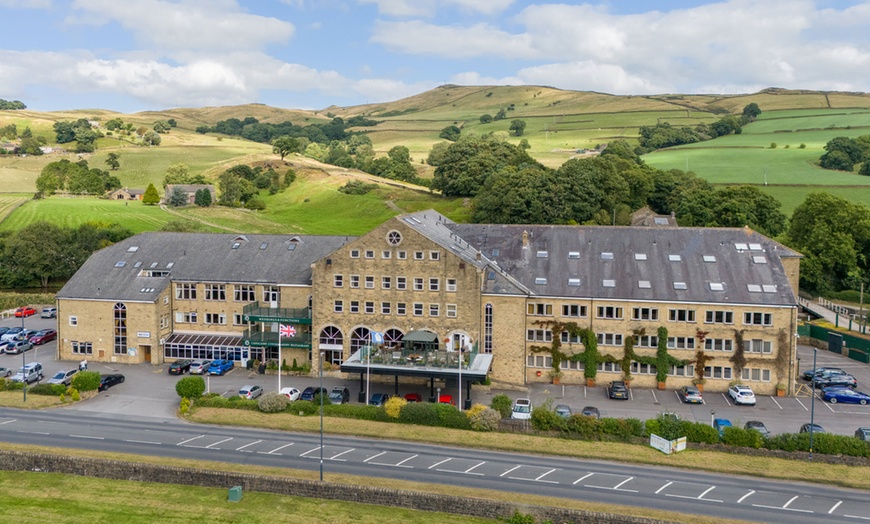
(421, 296)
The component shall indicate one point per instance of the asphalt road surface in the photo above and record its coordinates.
(719, 495)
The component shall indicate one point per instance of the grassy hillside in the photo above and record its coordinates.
(558, 123)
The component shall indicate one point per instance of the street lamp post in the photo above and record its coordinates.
(712, 417)
(23, 364)
(321, 416)
(813, 404)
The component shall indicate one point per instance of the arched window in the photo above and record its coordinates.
(360, 337)
(120, 316)
(331, 342)
(393, 338)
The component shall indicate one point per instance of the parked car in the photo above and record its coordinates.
(563, 411)
(758, 426)
(522, 409)
(691, 395)
(15, 347)
(31, 372)
(863, 434)
(250, 392)
(107, 381)
(42, 336)
(742, 395)
(827, 380)
(814, 427)
(339, 395)
(11, 333)
(25, 311)
(63, 377)
(590, 411)
(48, 312)
(5, 372)
(310, 392)
(720, 424)
(291, 393)
(808, 374)
(199, 367)
(845, 395)
(180, 366)
(3, 330)
(446, 399)
(220, 366)
(414, 397)
(378, 399)
(618, 390)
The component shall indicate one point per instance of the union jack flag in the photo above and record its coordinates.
(287, 331)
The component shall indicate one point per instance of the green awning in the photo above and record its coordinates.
(420, 336)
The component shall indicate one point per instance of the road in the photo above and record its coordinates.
(715, 495)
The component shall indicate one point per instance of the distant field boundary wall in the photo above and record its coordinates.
(119, 470)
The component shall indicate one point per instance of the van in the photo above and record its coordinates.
(48, 312)
(31, 372)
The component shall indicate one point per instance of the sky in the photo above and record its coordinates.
(137, 55)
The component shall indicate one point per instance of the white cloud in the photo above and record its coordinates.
(428, 8)
(213, 25)
(420, 38)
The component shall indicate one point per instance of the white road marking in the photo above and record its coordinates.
(582, 478)
(246, 445)
(473, 467)
(545, 474)
(726, 399)
(218, 442)
(828, 406)
(857, 517)
(837, 505)
(801, 403)
(144, 442)
(775, 402)
(783, 508)
(335, 457)
(655, 399)
(787, 504)
(512, 469)
(88, 436)
(8, 421)
(711, 488)
(375, 456)
(309, 451)
(623, 482)
(273, 452)
(399, 464)
(35, 432)
(183, 442)
(676, 394)
(691, 498)
(663, 487)
(439, 463)
(751, 492)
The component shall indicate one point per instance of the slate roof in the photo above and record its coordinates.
(115, 272)
(574, 261)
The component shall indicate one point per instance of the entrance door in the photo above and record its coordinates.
(146, 352)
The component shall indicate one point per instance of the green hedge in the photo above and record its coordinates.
(86, 380)
(824, 443)
(53, 390)
(234, 402)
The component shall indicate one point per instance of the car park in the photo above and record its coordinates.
(48, 312)
(563, 411)
(720, 424)
(808, 374)
(814, 428)
(220, 366)
(742, 395)
(63, 377)
(827, 380)
(618, 390)
(310, 392)
(28, 373)
(414, 397)
(16, 347)
(199, 367)
(290, 392)
(250, 392)
(691, 395)
(43, 336)
(845, 395)
(378, 399)
(339, 395)
(757, 425)
(180, 366)
(24, 312)
(863, 434)
(590, 411)
(522, 409)
(107, 381)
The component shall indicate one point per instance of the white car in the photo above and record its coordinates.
(742, 395)
(522, 409)
(291, 393)
(199, 367)
(63, 377)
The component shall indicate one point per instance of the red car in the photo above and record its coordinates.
(446, 399)
(414, 397)
(25, 312)
(42, 336)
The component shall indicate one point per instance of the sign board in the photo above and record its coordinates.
(143, 334)
(667, 446)
(131, 352)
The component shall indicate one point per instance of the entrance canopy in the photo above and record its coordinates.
(439, 365)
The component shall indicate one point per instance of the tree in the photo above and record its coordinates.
(30, 146)
(865, 168)
(751, 111)
(202, 198)
(469, 161)
(112, 161)
(485, 119)
(162, 126)
(115, 123)
(285, 145)
(501, 115)
(837, 160)
(178, 197)
(621, 149)
(172, 122)
(524, 196)
(151, 138)
(517, 127)
(35, 250)
(842, 153)
(151, 196)
(450, 133)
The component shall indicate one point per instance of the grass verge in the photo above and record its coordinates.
(734, 464)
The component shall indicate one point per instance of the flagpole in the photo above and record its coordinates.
(280, 362)
(368, 372)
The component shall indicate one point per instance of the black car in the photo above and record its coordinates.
(107, 381)
(835, 379)
(590, 411)
(863, 434)
(339, 395)
(309, 393)
(179, 367)
(758, 426)
(815, 427)
(808, 374)
(618, 390)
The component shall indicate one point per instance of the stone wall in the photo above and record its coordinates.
(111, 469)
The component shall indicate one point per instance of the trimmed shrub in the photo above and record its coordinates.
(305, 407)
(501, 403)
(623, 429)
(234, 402)
(354, 411)
(14, 386)
(74, 394)
(273, 402)
(51, 390)
(545, 419)
(184, 405)
(422, 413)
(318, 401)
(742, 438)
(700, 432)
(586, 428)
(450, 417)
(485, 419)
(190, 387)
(393, 406)
(86, 380)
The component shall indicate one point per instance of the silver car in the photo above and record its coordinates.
(63, 377)
(199, 367)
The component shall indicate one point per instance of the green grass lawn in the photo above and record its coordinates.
(72, 212)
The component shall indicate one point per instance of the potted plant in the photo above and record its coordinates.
(556, 376)
(780, 389)
(699, 382)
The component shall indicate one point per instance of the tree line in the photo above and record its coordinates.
(11, 105)
(844, 153)
(76, 178)
(252, 129)
(664, 134)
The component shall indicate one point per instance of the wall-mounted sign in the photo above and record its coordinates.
(143, 334)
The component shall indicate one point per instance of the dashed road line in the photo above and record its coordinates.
(144, 442)
(8, 421)
(584, 477)
(510, 470)
(88, 436)
(775, 402)
(310, 451)
(439, 463)
(837, 505)
(801, 403)
(857, 517)
(34, 432)
(400, 463)
(335, 457)
(218, 442)
(727, 401)
(539, 477)
(473, 467)
(275, 451)
(375, 456)
(183, 442)
(242, 448)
